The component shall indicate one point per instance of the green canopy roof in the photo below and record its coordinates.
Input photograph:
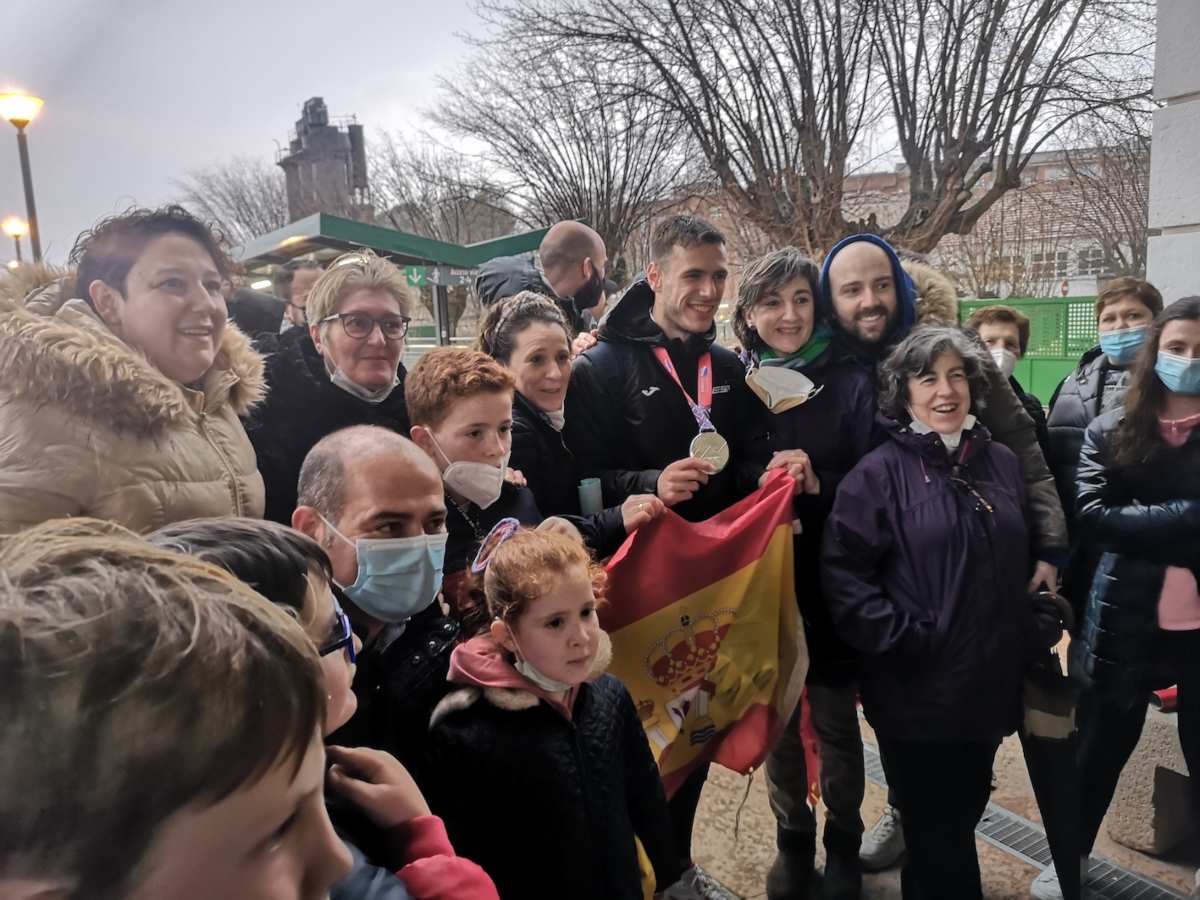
(324, 232)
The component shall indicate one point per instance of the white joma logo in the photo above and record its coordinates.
(650, 391)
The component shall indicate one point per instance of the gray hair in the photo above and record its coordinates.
(764, 275)
(916, 355)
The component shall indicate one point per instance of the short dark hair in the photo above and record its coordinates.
(322, 482)
(281, 281)
(110, 248)
(1127, 286)
(684, 231)
(273, 559)
(764, 275)
(509, 317)
(1002, 315)
(916, 355)
(139, 683)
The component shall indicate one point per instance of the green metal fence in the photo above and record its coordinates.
(1060, 331)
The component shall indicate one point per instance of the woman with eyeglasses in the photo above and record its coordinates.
(121, 387)
(926, 558)
(817, 416)
(342, 370)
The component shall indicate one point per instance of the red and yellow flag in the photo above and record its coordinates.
(706, 632)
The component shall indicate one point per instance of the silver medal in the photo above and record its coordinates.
(711, 447)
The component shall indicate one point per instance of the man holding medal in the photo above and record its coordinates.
(657, 407)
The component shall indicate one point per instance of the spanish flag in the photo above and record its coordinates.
(706, 633)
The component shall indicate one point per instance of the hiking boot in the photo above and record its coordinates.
(883, 845)
(1046, 886)
(842, 879)
(696, 884)
(791, 874)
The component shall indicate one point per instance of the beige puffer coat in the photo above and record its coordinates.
(89, 427)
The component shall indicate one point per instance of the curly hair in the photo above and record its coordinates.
(916, 355)
(761, 277)
(446, 374)
(510, 317)
(110, 248)
(526, 565)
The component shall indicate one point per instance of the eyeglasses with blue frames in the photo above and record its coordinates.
(343, 634)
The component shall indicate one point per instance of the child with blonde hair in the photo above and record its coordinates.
(542, 771)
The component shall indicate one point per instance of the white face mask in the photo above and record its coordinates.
(1006, 360)
(354, 389)
(781, 388)
(476, 482)
(528, 670)
(557, 417)
(950, 440)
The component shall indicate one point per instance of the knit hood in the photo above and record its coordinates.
(906, 294)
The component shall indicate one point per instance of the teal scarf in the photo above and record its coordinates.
(817, 344)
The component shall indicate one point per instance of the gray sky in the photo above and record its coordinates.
(139, 92)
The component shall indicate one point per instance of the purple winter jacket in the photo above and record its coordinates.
(925, 559)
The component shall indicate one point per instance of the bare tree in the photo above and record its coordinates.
(1112, 178)
(244, 197)
(779, 95)
(438, 193)
(571, 148)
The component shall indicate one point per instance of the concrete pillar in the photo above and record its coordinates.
(1173, 255)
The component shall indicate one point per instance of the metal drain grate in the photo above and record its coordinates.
(1023, 839)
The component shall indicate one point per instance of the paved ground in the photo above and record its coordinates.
(741, 860)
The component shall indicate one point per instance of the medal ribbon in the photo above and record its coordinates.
(704, 386)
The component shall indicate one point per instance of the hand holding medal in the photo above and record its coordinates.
(708, 452)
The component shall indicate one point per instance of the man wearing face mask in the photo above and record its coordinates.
(342, 370)
(573, 262)
(373, 500)
(1005, 333)
(1124, 311)
(460, 402)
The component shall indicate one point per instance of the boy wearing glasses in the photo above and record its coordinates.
(373, 801)
(343, 369)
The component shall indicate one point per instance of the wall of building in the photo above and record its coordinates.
(1173, 262)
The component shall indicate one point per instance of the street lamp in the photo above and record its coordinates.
(20, 110)
(15, 228)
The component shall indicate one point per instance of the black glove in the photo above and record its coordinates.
(1051, 614)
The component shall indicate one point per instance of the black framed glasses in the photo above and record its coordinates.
(359, 325)
(343, 635)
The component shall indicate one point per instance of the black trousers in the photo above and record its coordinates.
(941, 790)
(682, 807)
(1109, 733)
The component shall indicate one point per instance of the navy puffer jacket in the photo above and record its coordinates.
(925, 561)
(1141, 518)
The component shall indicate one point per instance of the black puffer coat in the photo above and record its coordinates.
(302, 407)
(836, 428)
(550, 807)
(1142, 518)
(1076, 402)
(506, 276)
(400, 679)
(541, 455)
(627, 419)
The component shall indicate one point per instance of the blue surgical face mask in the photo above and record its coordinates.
(1122, 345)
(1178, 374)
(397, 577)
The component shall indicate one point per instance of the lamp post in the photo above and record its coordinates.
(20, 110)
(15, 228)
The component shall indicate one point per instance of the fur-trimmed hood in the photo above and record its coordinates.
(483, 666)
(56, 351)
(937, 299)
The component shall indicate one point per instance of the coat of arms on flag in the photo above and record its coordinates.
(706, 632)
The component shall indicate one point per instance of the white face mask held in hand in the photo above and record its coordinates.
(478, 483)
(1006, 360)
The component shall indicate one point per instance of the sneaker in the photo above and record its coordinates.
(1046, 886)
(883, 845)
(696, 884)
